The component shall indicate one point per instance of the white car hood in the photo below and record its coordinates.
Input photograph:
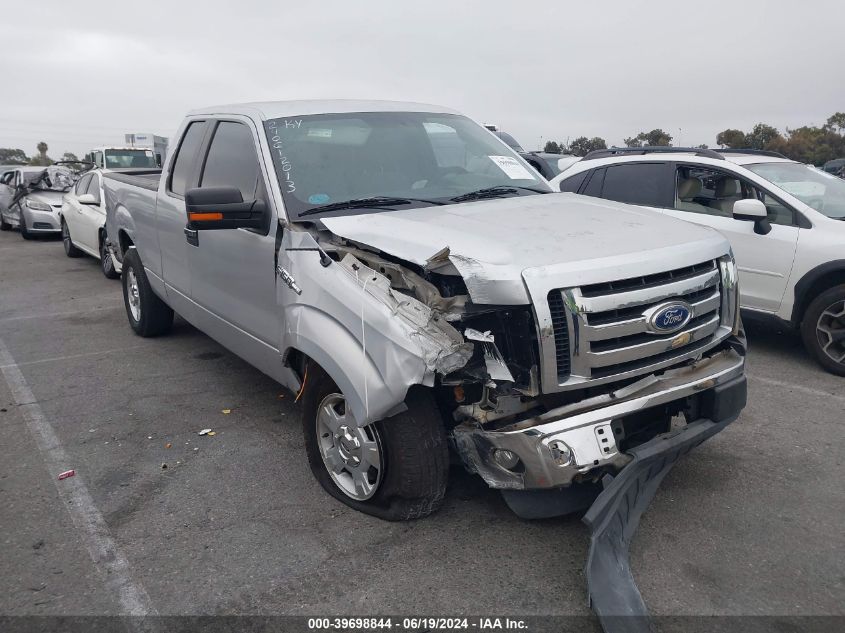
(495, 243)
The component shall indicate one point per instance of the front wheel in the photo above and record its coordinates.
(4, 226)
(106, 261)
(70, 247)
(395, 469)
(25, 234)
(148, 314)
(823, 329)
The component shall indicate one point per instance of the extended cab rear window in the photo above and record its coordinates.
(183, 166)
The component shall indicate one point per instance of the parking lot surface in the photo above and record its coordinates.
(749, 523)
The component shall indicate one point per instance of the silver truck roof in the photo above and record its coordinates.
(276, 109)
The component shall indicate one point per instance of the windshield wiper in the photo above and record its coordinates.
(494, 192)
(374, 202)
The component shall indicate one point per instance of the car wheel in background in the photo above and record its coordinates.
(823, 329)
(148, 315)
(70, 247)
(106, 261)
(25, 234)
(395, 469)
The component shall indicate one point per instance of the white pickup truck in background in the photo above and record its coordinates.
(411, 279)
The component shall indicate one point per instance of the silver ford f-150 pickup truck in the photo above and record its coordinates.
(419, 286)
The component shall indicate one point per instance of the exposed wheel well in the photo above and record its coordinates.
(124, 242)
(813, 284)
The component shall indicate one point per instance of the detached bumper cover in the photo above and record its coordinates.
(615, 515)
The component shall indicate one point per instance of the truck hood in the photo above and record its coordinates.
(497, 245)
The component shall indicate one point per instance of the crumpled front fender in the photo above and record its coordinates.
(372, 341)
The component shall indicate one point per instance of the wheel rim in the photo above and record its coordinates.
(132, 294)
(830, 330)
(352, 454)
(105, 258)
(65, 237)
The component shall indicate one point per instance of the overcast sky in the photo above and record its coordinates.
(80, 74)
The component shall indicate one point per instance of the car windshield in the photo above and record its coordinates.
(125, 158)
(373, 161)
(822, 191)
(52, 178)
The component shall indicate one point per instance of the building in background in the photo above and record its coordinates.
(149, 141)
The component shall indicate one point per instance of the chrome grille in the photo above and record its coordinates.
(607, 332)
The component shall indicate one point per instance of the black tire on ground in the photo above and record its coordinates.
(4, 226)
(106, 261)
(24, 233)
(154, 317)
(413, 446)
(829, 303)
(67, 241)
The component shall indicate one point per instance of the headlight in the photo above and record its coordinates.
(37, 206)
(730, 285)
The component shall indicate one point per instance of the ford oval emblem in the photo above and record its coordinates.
(669, 317)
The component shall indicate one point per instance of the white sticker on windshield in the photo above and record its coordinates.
(320, 132)
(512, 168)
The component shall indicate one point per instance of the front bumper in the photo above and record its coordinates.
(41, 221)
(587, 428)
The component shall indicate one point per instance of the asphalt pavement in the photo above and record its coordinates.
(750, 523)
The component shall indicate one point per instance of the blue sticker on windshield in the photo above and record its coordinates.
(318, 198)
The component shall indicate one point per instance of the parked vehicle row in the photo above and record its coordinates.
(784, 220)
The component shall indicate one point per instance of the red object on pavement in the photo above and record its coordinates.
(66, 474)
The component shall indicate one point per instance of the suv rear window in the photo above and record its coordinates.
(635, 183)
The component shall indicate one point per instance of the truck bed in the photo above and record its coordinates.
(144, 178)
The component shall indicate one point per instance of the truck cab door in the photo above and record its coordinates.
(170, 220)
(233, 271)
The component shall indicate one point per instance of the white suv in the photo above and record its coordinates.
(784, 220)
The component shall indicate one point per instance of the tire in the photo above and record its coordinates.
(413, 461)
(148, 315)
(4, 226)
(106, 261)
(70, 247)
(823, 329)
(25, 234)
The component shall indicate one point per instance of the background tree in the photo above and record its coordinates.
(69, 156)
(552, 147)
(656, 137)
(761, 136)
(9, 156)
(806, 144)
(582, 145)
(731, 138)
(41, 159)
(836, 122)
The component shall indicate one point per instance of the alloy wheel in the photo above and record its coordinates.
(133, 295)
(830, 330)
(352, 454)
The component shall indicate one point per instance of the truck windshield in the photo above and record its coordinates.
(125, 158)
(414, 159)
(818, 189)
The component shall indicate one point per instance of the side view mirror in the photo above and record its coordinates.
(755, 211)
(87, 198)
(214, 208)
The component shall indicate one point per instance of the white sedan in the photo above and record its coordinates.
(83, 221)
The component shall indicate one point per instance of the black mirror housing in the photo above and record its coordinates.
(216, 208)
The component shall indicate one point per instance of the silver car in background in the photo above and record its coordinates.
(31, 197)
